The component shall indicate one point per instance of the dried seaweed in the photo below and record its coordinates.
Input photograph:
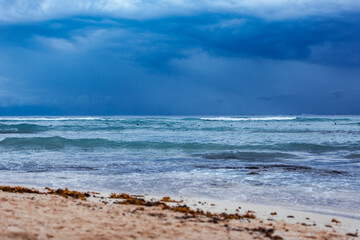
(66, 193)
(180, 208)
(61, 192)
(120, 196)
(19, 190)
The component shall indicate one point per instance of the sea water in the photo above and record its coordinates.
(307, 162)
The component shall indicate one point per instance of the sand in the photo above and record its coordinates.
(34, 216)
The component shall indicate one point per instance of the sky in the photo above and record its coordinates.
(179, 57)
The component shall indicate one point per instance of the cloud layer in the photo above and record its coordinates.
(40, 10)
(179, 57)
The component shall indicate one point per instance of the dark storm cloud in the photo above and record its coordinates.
(154, 42)
(91, 59)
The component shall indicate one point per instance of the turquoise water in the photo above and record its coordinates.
(309, 162)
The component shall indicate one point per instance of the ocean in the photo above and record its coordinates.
(303, 162)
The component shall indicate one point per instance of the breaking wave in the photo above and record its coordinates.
(57, 142)
(50, 118)
(21, 128)
(249, 119)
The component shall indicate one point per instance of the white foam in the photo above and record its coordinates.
(249, 119)
(49, 118)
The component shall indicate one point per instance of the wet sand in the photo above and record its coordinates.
(40, 216)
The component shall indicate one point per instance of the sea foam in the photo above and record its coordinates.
(249, 119)
(50, 118)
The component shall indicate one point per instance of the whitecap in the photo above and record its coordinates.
(50, 118)
(249, 119)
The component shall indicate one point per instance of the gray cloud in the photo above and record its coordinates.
(38, 10)
(235, 57)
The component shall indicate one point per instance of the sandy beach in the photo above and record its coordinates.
(179, 119)
(68, 215)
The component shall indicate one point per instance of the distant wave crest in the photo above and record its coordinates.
(50, 118)
(21, 128)
(56, 143)
(249, 118)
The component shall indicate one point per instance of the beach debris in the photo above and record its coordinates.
(306, 224)
(266, 231)
(66, 193)
(19, 190)
(335, 221)
(273, 213)
(167, 199)
(135, 201)
(250, 214)
(290, 216)
(121, 196)
(356, 234)
(61, 192)
(129, 200)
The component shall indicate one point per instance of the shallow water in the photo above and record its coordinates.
(301, 161)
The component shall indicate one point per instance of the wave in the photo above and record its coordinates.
(264, 130)
(353, 156)
(52, 143)
(248, 156)
(249, 119)
(88, 128)
(21, 128)
(287, 150)
(50, 118)
(305, 169)
(321, 119)
(278, 118)
(34, 128)
(303, 131)
(297, 168)
(353, 123)
(315, 148)
(57, 142)
(260, 168)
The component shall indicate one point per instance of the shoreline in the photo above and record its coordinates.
(283, 223)
(338, 213)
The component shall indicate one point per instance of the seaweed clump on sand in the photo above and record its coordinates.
(66, 193)
(135, 201)
(190, 213)
(168, 199)
(120, 196)
(335, 221)
(19, 190)
(129, 200)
